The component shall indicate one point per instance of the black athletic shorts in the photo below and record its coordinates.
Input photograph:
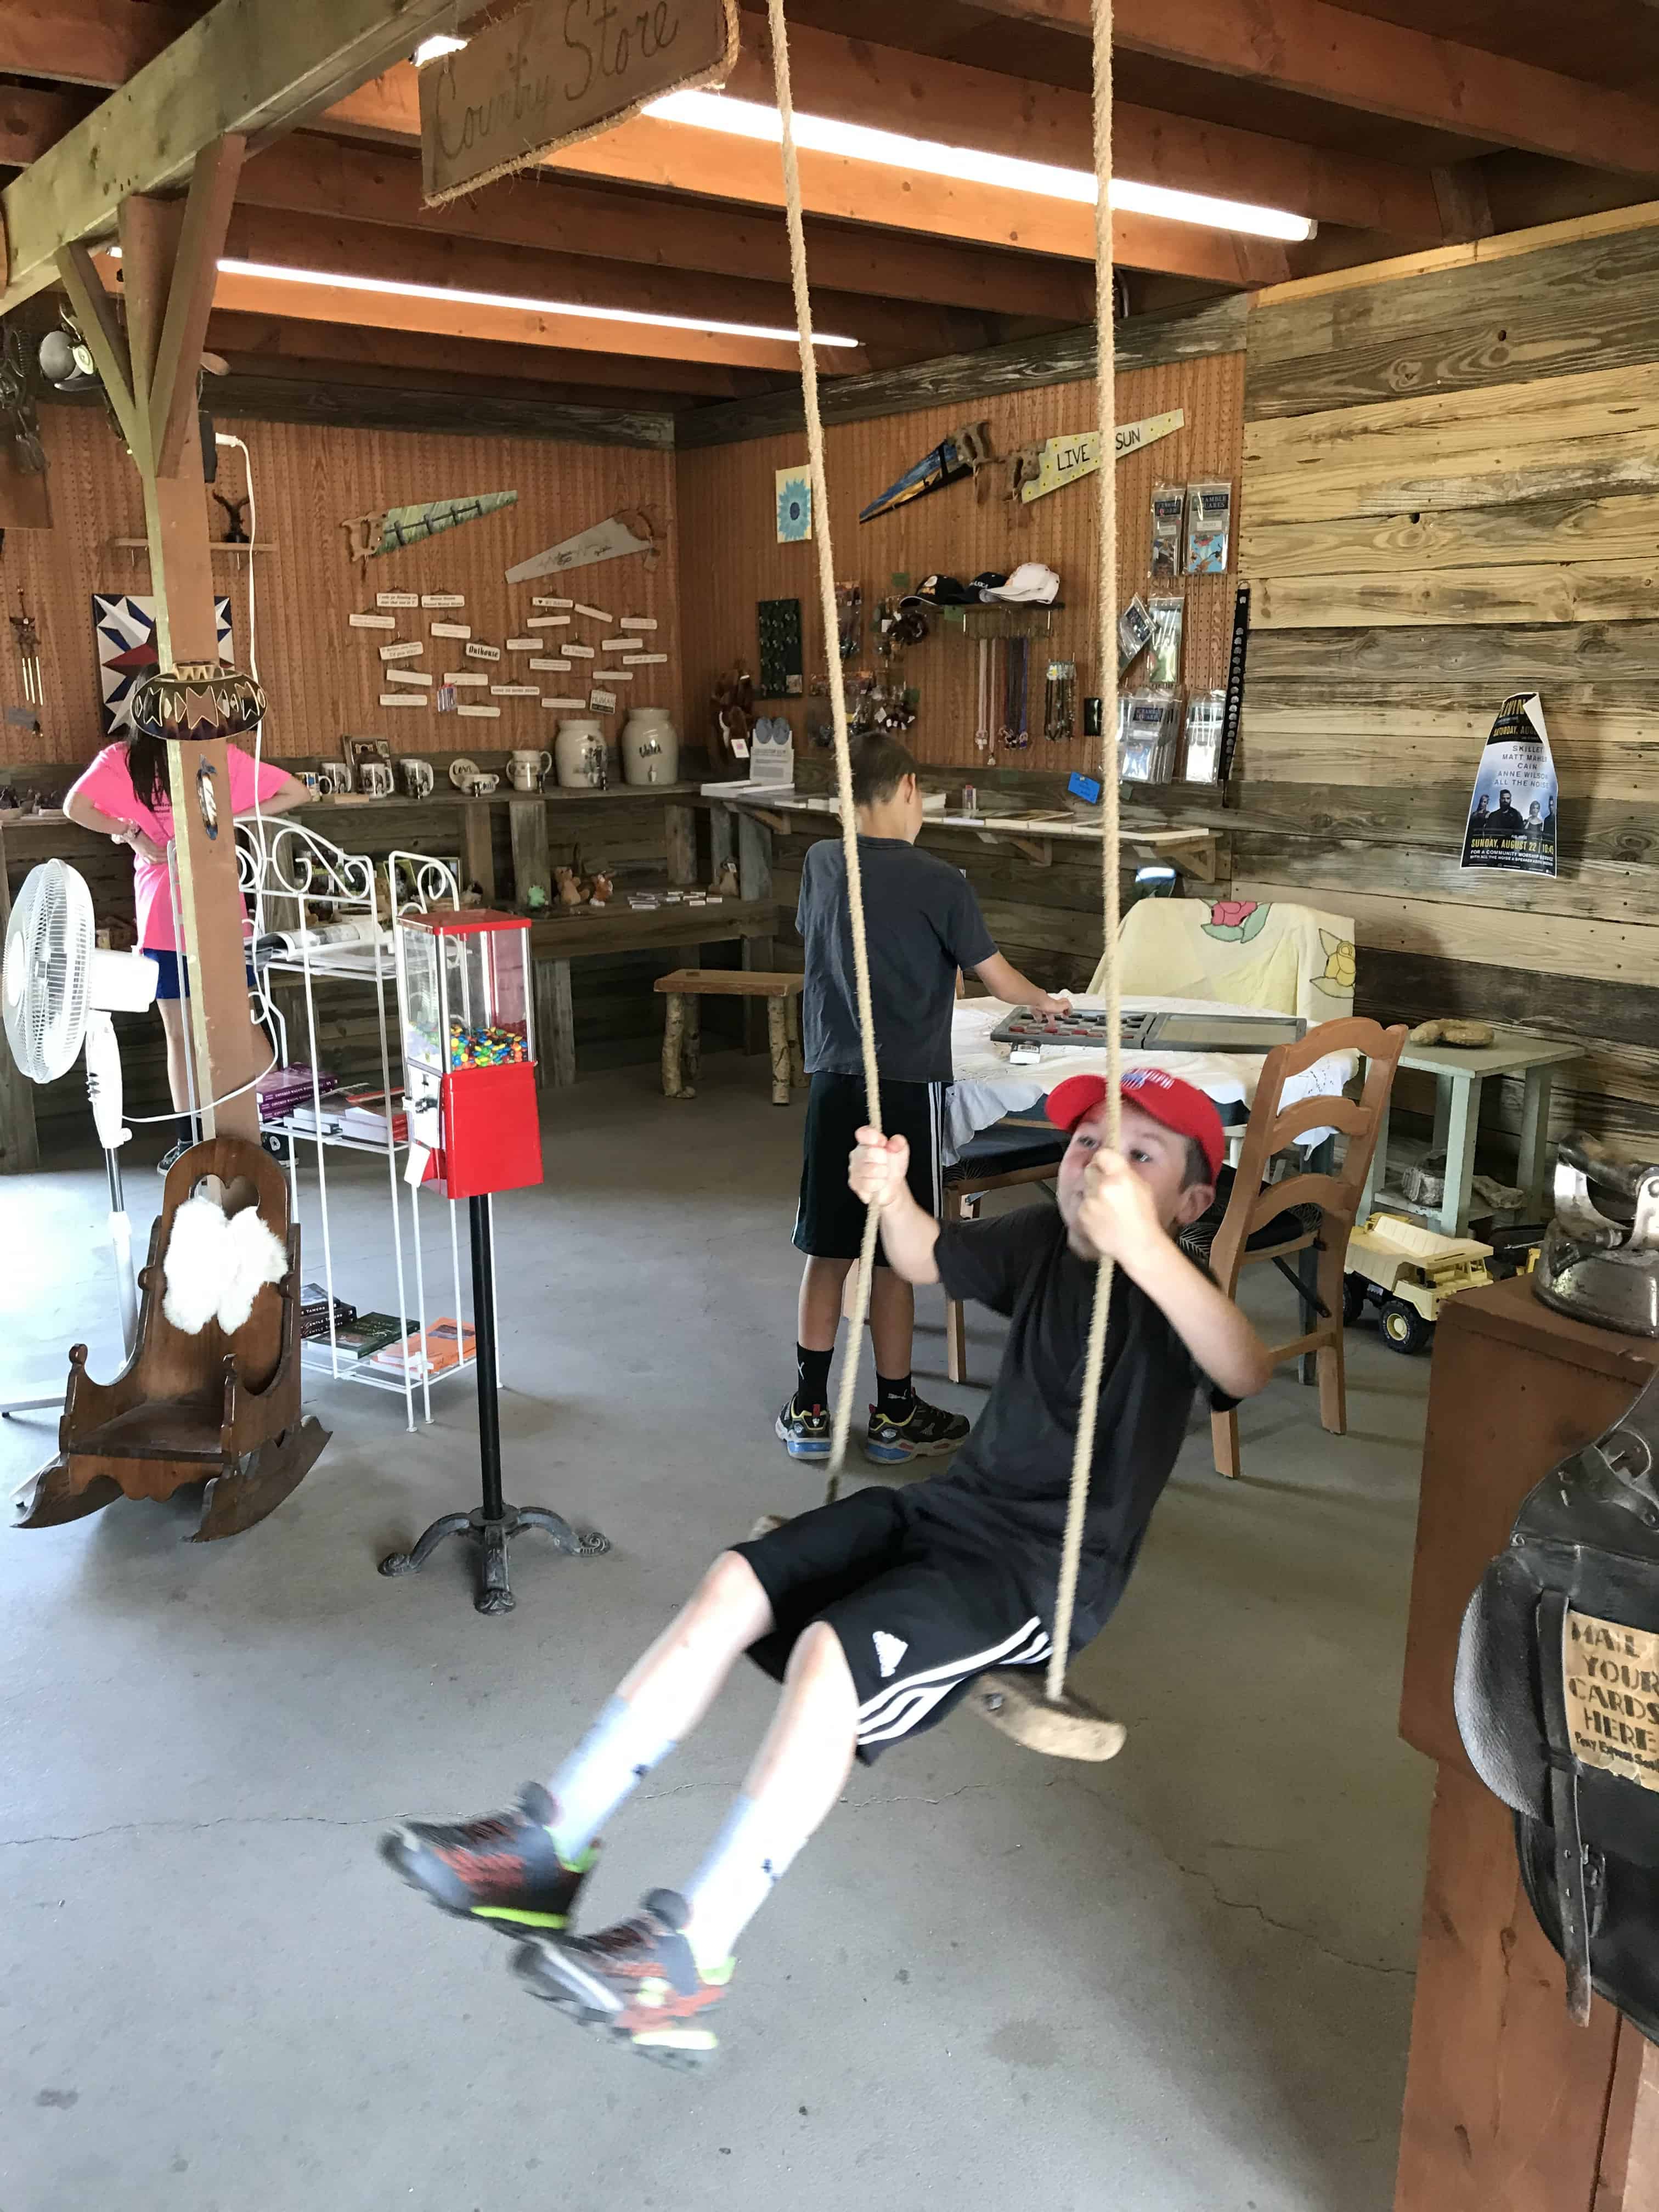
(918, 1620)
(830, 1221)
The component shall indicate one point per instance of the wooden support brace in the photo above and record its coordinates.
(777, 1035)
(527, 820)
(478, 850)
(680, 841)
(555, 1027)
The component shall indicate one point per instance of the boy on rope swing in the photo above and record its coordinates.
(924, 925)
(877, 1613)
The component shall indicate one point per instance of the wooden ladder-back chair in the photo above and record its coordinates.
(1307, 1211)
(215, 1407)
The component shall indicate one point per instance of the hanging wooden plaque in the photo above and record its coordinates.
(557, 71)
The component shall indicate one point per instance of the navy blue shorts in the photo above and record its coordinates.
(172, 978)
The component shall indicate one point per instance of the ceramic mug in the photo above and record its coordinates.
(418, 777)
(481, 786)
(333, 778)
(375, 778)
(312, 780)
(526, 766)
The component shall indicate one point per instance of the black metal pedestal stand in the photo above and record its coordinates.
(495, 1523)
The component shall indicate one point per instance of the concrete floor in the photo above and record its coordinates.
(1181, 1983)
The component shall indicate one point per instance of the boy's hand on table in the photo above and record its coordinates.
(1046, 1003)
(877, 1170)
(1118, 1219)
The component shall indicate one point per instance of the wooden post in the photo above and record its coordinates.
(20, 1148)
(527, 820)
(169, 259)
(478, 848)
(722, 839)
(555, 1027)
(680, 839)
(777, 1037)
(754, 882)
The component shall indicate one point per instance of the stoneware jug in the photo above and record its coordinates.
(578, 753)
(650, 747)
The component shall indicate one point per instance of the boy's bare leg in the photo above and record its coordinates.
(818, 1311)
(677, 1680)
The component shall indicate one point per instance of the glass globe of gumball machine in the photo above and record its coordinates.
(467, 1006)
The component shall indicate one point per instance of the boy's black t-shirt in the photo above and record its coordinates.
(1007, 1487)
(923, 923)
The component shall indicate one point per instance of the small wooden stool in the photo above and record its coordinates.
(682, 1029)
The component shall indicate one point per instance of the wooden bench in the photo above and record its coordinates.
(681, 1027)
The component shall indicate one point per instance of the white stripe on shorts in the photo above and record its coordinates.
(897, 1720)
(1002, 1654)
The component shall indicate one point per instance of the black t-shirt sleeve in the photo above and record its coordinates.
(962, 925)
(988, 1261)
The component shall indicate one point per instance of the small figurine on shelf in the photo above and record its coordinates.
(725, 885)
(569, 891)
(535, 899)
(600, 888)
(734, 714)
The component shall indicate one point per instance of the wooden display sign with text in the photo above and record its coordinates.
(556, 71)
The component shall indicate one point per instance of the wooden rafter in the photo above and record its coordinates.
(1380, 68)
(248, 67)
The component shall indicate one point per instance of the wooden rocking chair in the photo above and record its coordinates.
(222, 1409)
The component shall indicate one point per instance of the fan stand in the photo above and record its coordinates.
(121, 1237)
(494, 1524)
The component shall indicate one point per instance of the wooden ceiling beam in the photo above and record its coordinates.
(279, 344)
(94, 42)
(312, 175)
(681, 157)
(414, 256)
(248, 68)
(388, 310)
(888, 89)
(32, 119)
(1362, 61)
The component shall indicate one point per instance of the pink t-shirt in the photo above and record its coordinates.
(108, 784)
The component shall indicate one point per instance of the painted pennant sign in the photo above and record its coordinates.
(628, 532)
(556, 71)
(1065, 460)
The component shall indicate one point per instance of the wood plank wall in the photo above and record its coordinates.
(321, 677)
(1451, 493)
(730, 558)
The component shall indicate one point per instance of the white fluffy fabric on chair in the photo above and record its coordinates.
(213, 1265)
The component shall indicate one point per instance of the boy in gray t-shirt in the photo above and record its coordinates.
(923, 925)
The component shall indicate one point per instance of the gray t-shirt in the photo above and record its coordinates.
(923, 923)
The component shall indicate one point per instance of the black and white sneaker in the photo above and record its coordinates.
(174, 1152)
(924, 1431)
(804, 1431)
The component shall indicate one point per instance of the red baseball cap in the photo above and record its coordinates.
(1179, 1106)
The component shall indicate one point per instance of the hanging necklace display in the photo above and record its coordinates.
(1016, 732)
(25, 631)
(983, 739)
(1059, 702)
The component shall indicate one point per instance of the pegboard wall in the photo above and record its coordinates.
(731, 559)
(321, 677)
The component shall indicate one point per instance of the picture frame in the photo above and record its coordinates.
(356, 750)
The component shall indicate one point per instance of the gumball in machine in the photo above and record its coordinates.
(466, 1002)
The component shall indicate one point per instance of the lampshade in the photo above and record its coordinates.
(197, 699)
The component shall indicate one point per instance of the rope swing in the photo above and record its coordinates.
(1057, 1722)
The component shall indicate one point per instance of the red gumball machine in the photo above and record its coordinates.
(466, 1000)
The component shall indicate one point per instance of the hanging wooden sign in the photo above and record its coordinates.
(540, 602)
(618, 534)
(371, 621)
(555, 72)
(396, 598)
(1066, 460)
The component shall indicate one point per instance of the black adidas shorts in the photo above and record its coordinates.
(830, 1221)
(918, 1620)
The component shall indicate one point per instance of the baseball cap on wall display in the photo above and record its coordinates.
(941, 592)
(1031, 584)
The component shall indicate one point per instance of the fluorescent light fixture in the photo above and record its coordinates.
(747, 118)
(452, 295)
(435, 48)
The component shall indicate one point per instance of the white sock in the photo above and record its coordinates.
(612, 1758)
(749, 1854)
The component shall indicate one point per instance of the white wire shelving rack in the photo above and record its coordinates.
(297, 882)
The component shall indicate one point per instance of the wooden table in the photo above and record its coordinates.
(1509, 2106)
(1458, 1077)
(591, 933)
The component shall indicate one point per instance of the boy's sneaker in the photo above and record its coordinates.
(924, 1431)
(638, 1981)
(173, 1154)
(502, 1869)
(804, 1431)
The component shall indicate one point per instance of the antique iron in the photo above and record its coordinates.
(1600, 1262)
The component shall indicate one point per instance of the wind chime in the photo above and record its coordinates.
(26, 632)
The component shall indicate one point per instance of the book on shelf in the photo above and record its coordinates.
(313, 1311)
(362, 1338)
(447, 1343)
(366, 1114)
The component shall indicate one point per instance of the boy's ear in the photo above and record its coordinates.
(1196, 1199)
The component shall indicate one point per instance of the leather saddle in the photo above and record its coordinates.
(1556, 1697)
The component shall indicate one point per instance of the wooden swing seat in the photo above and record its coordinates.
(215, 1407)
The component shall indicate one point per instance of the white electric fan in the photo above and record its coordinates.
(59, 992)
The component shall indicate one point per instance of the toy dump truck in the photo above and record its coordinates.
(1408, 1273)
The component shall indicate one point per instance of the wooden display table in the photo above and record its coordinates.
(1509, 2106)
(684, 990)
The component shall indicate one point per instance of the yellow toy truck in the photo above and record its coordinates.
(1409, 1272)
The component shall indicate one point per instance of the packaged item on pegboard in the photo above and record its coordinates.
(1168, 506)
(1148, 729)
(1209, 527)
(1134, 632)
(1169, 615)
(1201, 758)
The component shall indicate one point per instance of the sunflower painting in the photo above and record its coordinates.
(1336, 978)
(795, 507)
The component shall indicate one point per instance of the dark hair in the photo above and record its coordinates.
(1198, 1165)
(147, 765)
(880, 764)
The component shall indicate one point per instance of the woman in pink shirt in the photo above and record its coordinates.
(124, 794)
